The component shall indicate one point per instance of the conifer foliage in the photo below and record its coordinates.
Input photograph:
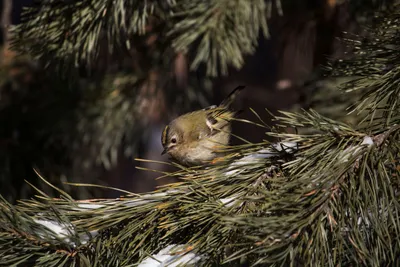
(327, 195)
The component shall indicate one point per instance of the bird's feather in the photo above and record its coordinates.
(164, 135)
(227, 102)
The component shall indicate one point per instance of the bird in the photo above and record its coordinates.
(196, 138)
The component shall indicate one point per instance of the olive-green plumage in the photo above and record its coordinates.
(196, 137)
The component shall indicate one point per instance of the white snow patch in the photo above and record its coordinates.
(367, 141)
(228, 202)
(57, 228)
(234, 168)
(90, 206)
(165, 258)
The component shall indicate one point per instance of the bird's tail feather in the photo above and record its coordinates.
(227, 102)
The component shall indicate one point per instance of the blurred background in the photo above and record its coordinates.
(87, 124)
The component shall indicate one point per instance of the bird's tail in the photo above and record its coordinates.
(227, 102)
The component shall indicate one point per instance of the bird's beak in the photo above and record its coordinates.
(164, 151)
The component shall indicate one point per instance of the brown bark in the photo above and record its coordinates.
(5, 24)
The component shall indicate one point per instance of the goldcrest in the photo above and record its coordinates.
(197, 137)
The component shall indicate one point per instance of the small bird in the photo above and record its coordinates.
(196, 137)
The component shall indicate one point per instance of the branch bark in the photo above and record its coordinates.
(5, 24)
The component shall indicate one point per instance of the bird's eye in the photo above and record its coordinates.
(173, 140)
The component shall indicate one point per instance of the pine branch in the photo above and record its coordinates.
(218, 33)
(376, 66)
(225, 31)
(255, 212)
(74, 29)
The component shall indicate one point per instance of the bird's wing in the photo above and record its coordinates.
(218, 118)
